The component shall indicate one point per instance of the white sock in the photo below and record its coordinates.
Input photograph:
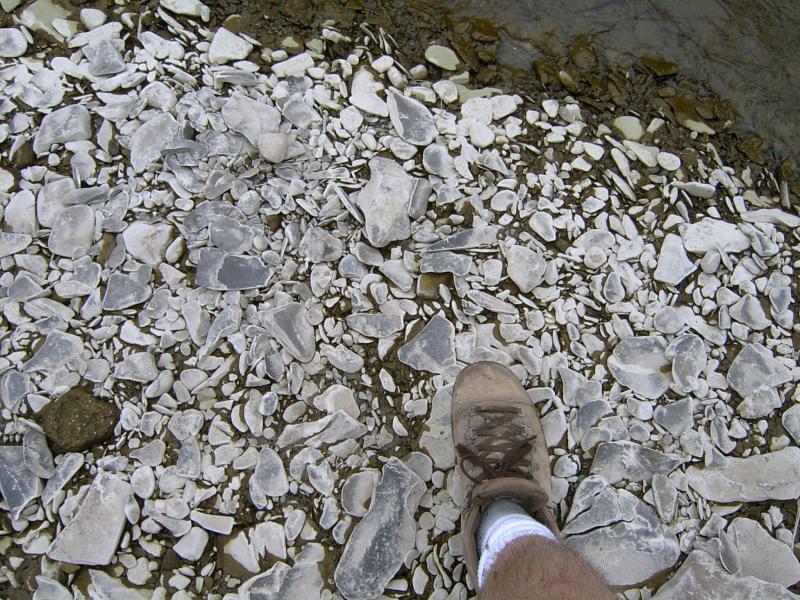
(502, 522)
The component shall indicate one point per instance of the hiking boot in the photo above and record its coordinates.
(500, 448)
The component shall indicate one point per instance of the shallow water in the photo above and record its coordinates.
(747, 51)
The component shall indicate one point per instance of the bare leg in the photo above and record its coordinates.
(537, 568)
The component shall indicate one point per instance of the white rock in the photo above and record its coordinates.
(412, 119)
(294, 66)
(273, 147)
(761, 555)
(668, 161)
(525, 267)
(147, 242)
(12, 43)
(189, 8)
(73, 231)
(629, 127)
(191, 546)
(673, 263)
(68, 124)
(714, 234)
(442, 56)
(227, 46)
(150, 139)
(384, 202)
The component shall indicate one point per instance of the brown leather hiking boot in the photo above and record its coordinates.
(500, 448)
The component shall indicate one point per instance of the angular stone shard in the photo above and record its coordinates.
(702, 577)
(437, 435)
(123, 292)
(250, 118)
(748, 310)
(761, 555)
(673, 263)
(19, 485)
(11, 243)
(771, 476)
(525, 267)
(632, 551)
(92, 536)
(467, 240)
(328, 430)
(688, 355)
(147, 242)
(626, 461)
(227, 46)
(290, 326)
(12, 43)
(218, 270)
(412, 119)
(433, 348)
(150, 139)
(68, 124)
(375, 325)
(713, 234)
(72, 232)
(384, 202)
(301, 581)
(382, 539)
(640, 363)
(755, 369)
(58, 349)
(269, 478)
(446, 262)
(318, 245)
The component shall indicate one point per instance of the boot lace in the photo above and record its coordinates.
(500, 444)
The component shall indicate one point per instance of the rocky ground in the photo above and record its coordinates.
(238, 282)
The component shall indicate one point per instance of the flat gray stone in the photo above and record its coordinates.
(384, 200)
(675, 417)
(375, 325)
(147, 242)
(58, 349)
(627, 461)
(412, 119)
(269, 478)
(433, 348)
(250, 118)
(771, 476)
(68, 124)
(12, 43)
(754, 369)
(446, 262)
(302, 581)
(525, 267)
(640, 363)
(714, 234)
(761, 555)
(673, 263)
(11, 243)
(382, 539)
(227, 46)
(468, 239)
(218, 270)
(123, 292)
(290, 326)
(702, 577)
(150, 139)
(318, 245)
(92, 536)
(688, 355)
(73, 231)
(19, 485)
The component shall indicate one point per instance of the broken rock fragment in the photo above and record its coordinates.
(68, 124)
(218, 270)
(384, 202)
(290, 326)
(433, 348)
(379, 543)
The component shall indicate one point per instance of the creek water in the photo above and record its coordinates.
(747, 51)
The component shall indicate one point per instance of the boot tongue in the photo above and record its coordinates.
(524, 491)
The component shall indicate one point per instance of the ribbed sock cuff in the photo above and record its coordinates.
(503, 522)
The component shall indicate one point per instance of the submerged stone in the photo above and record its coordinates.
(382, 539)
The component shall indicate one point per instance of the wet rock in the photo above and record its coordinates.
(150, 139)
(702, 577)
(375, 325)
(290, 326)
(77, 421)
(714, 234)
(525, 267)
(412, 120)
(433, 348)
(771, 476)
(19, 485)
(92, 536)
(123, 292)
(218, 270)
(673, 263)
(58, 349)
(12, 43)
(640, 363)
(379, 543)
(68, 124)
(227, 46)
(72, 232)
(761, 555)
(147, 242)
(384, 202)
(626, 461)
